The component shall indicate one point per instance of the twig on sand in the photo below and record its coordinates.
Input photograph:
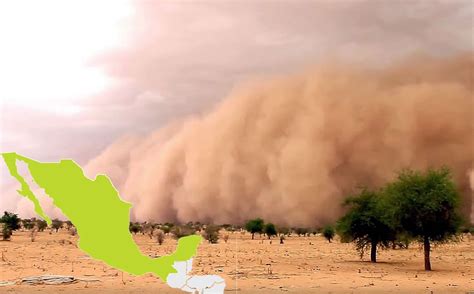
(48, 280)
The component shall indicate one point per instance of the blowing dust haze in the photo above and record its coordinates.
(290, 149)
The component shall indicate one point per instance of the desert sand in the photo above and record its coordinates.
(301, 265)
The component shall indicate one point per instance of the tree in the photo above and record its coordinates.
(182, 231)
(41, 224)
(366, 223)
(11, 222)
(211, 234)
(425, 206)
(328, 233)
(28, 224)
(269, 230)
(283, 231)
(254, 226)
(135, 228)
(302, 231)
(56, 224)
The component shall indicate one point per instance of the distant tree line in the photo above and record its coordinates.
(416, 206)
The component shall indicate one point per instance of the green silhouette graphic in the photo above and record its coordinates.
(86, 202)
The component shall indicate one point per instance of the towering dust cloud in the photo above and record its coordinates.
(291, 148)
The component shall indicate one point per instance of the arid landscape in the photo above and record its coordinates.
(300, 265)
(316, 146)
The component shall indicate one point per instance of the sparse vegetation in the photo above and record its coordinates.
(10, 222)
(56, 224)
(226, 238)
(160, 236)
(302, 231)
(282, 239)
(182, 231)
(425, 206)
(211, 234)
(27, 224)
(41, 225)
(270, 230)
(69, 225)
(254, 226)
(166, 229)
(135, 228)
(366, 223)
(328, 233)
(33, 234)
(284, 231)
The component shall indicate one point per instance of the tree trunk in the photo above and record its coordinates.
(253, 234)
(426, 245)
(373, 251)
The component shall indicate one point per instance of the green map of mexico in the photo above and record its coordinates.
(84, 202)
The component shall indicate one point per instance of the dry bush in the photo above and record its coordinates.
(160, 236)
(73, 231)
(33, 234)
(182, 231)
(211, 234)
(226, 238)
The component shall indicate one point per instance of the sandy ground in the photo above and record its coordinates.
(301, 265)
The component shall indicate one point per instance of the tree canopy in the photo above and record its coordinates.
(425, 205)
(254, 226)
(270, 230)
(366, 223)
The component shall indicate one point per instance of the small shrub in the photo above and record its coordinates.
(33, 234)
(182, 231)
(135, 228)
(226, 238)
(166, 229)
(41, 225)
(160, 236)
(6, 232)
(328, 233)
(73, 231)
(28, 224)
(211, 234)
(282, 239)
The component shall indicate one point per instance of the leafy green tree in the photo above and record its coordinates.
(269, 230)
(366, 223)
(10, 222)
(254, 226)
(328, 233)
(425, 205)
